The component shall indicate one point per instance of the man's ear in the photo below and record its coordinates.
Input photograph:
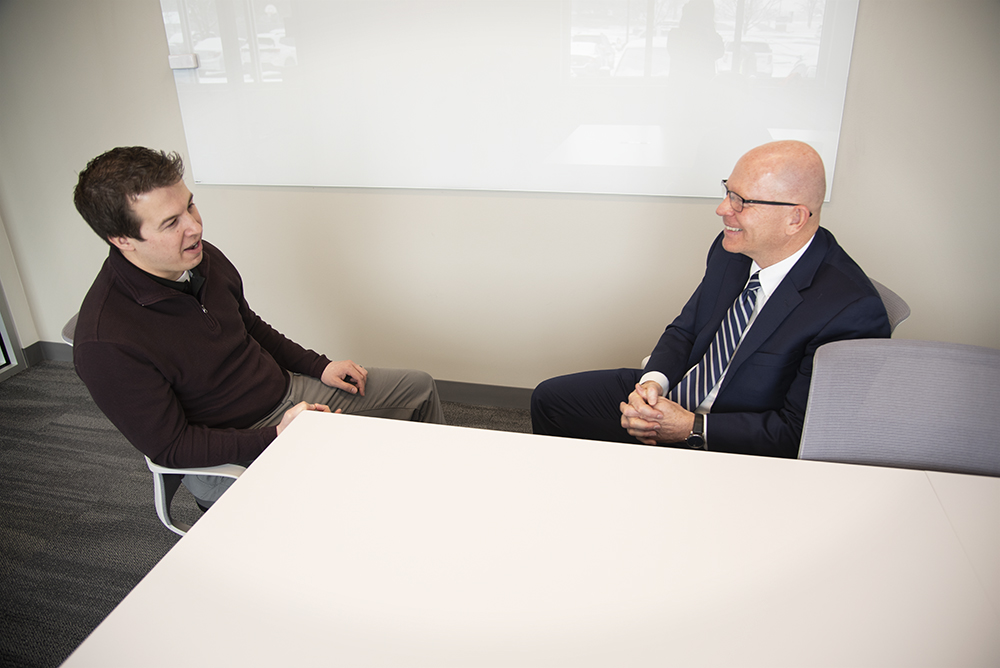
(798, 216)
(123, 244)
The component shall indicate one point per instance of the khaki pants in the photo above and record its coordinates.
(399, 394)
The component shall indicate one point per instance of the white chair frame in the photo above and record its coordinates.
(167, 480)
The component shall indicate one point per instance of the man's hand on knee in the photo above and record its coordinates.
(346, 376)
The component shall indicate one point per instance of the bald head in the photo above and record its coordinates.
(788, 171)
(782, 185)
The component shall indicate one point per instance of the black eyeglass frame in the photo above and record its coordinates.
(743, 200)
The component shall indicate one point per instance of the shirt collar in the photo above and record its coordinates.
(186, 283)
(770, 277)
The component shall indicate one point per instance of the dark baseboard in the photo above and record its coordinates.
(33, 354)
(47, 350)
(473, 394)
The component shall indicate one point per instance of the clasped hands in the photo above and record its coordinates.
(652, 418)
(344, 375)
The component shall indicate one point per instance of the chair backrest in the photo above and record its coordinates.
(69, 329)
(897, 309)
(908, 404)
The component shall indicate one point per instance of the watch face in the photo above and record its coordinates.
(696, 441)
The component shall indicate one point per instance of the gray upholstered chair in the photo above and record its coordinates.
(897, 309)
(166, 480)
(907, 404)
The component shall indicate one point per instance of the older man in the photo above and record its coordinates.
(172, 352)
(731, 373)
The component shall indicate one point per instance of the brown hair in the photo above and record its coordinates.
(112, 181)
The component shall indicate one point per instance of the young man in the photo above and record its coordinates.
(171, 351)
(732, 372)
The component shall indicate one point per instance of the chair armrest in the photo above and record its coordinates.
(166, 481)
(222, 470)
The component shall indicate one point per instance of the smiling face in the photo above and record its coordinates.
(170, 242)
(759, 232)
(779, 172)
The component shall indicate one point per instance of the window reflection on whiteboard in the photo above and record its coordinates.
(656, 97)
(779, 38)
(231, 39)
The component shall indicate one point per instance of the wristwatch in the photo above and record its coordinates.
(696, 439)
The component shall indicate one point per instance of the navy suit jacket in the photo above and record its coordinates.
(762, 401)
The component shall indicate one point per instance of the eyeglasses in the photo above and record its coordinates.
(737, 202)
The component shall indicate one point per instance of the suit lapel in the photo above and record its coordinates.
(780, 304)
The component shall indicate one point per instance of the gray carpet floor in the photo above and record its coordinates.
(77, 525)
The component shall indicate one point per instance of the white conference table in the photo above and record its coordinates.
(363, 542)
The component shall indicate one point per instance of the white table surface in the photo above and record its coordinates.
(363, 542)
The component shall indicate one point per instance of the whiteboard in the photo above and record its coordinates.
(648, 97)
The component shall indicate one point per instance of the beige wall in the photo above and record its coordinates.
(505, 288)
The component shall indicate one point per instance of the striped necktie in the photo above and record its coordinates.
(700, 380)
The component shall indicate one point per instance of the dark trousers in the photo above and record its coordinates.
(584, 405)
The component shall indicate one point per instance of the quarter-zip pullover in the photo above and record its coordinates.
(184, 377)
